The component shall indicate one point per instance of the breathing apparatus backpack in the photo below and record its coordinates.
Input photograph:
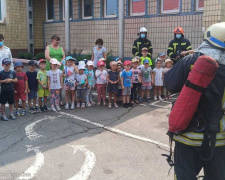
(199, 104)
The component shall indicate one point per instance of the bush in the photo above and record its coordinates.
(25, 55)
(21, 55)
(39, 56)
(28, 56)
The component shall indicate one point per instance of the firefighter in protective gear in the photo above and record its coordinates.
(202, 144)
(142, 42)
(179, 46)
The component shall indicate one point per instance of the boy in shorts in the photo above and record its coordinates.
(20, 88)
(7, 78)
(126, 84)
(43, 91)
(146, 84)
(32, 87)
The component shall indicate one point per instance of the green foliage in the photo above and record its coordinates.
(39, 56)
(25, 55)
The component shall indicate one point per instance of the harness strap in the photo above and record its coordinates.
(194, 86)
(208, 146)
(169, 157)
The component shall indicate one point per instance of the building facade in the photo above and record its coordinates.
(92, 19)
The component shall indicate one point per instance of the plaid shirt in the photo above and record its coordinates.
(6, 53)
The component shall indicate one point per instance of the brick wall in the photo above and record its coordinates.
(15, 28)
(160, 29)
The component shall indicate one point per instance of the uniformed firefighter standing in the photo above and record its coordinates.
(142, 42)
(179, 46)
(202, 144)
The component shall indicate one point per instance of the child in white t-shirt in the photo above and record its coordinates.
(55, 84)
(69, 72)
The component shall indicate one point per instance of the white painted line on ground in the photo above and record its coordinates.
(88, 165)
(36, 166)
(39, 161)
(115, 130)
(97, 95)
(29, 129)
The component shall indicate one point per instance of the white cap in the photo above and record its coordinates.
(81, 66)
(81, 63)
(55, 61)
(143, 29)
(90, 63)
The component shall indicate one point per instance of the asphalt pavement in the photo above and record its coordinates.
(94, 143)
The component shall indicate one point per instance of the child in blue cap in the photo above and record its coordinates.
(146, 85)
(7, 79)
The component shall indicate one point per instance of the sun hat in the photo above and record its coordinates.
(168, 60)
(90, 63)
(70, 58)
(55, 61)
(146, 61)
(42, 60)
(6, 61)
(135, 60)
(17, 64)
(81, 66)
(32, 63)
(127, 62)
(101, 63)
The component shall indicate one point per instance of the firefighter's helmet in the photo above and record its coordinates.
(178, 30)
(215, 35)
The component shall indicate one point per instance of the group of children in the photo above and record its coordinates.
(128, 81)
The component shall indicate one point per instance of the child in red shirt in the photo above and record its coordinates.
(20, 87)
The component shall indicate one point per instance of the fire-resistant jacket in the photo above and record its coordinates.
(176, 46)
(141, 43)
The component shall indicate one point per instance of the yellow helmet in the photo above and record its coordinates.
(215, 35)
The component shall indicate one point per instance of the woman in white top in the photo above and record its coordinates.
(98, 52)
(5, 52)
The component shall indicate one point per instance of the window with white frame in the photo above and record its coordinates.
(170, 6)
(71, 9)
(110, 8)
(87, 9)
(199, 5)
(2, 11)
(49, 10)
(137, 7)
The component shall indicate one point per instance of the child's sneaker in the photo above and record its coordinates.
(58, 108)
(36, 109)
(4, 118)
(72, 106)
(17, 113)
(67, 106)
(140, 100)
(12, 116)
(110, 106)
(83, 105)
(155, 98)
(148, 100)
(42, 109)
(125, 105)
(31, 110)
(92, 103)
(78, 105)
(115, 105)
(98, 104)
(88, 104)
(160, 98)
(23, 113)
(104, 104)
(53, 109)
(130, 105)
(45, 108)
(169, 97)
